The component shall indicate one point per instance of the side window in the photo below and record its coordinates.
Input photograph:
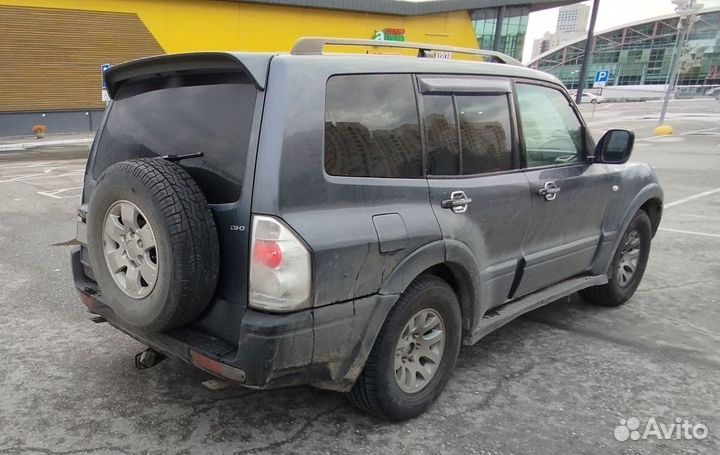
(484, 142)
(371, 127)
(551, 130)
(443, 149)
(485, 138)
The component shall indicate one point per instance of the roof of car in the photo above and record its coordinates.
(255, 64)
(350, 63)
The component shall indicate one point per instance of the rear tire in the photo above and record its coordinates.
(627, 267)
(392, 385)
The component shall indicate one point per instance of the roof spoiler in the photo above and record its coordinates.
(255, 67)
(315, 45)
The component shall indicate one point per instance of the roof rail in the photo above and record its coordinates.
(315, 45)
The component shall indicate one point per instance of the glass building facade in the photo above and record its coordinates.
(642, 54)
(509, 36)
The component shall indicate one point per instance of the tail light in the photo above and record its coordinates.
(280, 267)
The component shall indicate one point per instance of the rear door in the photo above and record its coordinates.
(569, 193)
(212, 118)
(370, 211)
(478, 195)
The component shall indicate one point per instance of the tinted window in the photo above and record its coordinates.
(177, 116)
(485, 138)
(371, 127)
(550, 128)
(484, 142)
(443, 149)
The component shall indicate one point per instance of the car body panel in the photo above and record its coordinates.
(334, 215)
(565, 231)
(492, 228)
(636, 185)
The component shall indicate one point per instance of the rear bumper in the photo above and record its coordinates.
(326, 346)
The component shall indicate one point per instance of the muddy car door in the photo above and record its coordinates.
(569, 192)
(479, 196)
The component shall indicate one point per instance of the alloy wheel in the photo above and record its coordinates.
(629, 258)
(130, 249)
(419, 350)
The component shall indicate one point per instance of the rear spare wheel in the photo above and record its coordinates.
(152, 243)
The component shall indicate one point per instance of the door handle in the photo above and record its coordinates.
(549, 191)
(458, 202)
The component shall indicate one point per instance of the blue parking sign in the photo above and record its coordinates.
(601, 78)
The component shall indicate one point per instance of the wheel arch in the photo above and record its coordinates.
(648, 199)
(653, 207)
(459, 281)
(447, 261)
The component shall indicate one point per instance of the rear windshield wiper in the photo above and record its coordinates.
(174, 158)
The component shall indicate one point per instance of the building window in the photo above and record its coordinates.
(635, 56)
(513, 27)
(484, 23)
(631, 79)
(513, 30)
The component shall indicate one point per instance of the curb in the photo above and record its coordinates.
(30, 145)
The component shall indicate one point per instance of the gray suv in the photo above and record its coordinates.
(349, 220)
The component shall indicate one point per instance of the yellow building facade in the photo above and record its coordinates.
(54, 48)
(51, 50)
(191, 25)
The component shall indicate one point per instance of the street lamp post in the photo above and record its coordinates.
(687, 10)
(586, 55)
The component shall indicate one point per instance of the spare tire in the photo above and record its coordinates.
(152, 244)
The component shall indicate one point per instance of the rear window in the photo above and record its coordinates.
(184, 115)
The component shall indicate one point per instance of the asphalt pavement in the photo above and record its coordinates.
(567, 378)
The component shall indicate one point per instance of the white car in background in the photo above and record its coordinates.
(591, 98)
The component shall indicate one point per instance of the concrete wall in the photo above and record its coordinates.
(632, 92)
(650, 92)
(20, 124)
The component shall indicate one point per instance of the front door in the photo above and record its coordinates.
(477, 193)
(568, 193)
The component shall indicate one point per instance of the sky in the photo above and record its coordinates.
(612, 13)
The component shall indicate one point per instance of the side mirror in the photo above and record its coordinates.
(615, 147)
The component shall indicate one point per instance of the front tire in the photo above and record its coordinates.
(628, 265)
(414, 354)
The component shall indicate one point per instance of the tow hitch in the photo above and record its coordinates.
(148, 358)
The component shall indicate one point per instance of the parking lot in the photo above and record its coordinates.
(558, 380)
